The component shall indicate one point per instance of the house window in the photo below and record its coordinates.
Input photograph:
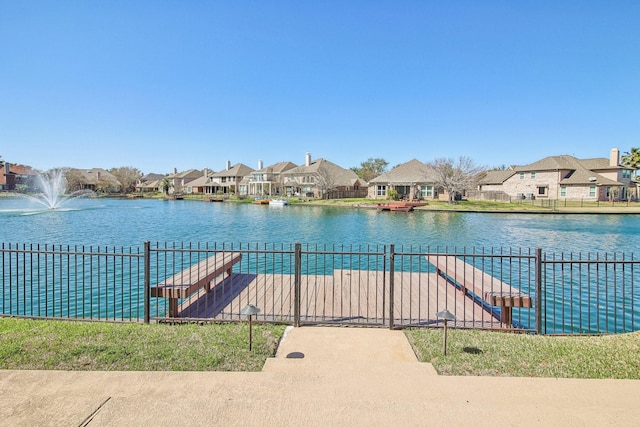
(592, 191)
(521, 175)
(563, 191)
(542, 191)
(533, 175)
(381, 190)
(626, 174)
(426, 191)
(403, 190)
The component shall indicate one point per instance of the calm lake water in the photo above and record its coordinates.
(131, 222)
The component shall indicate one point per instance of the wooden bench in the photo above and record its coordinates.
(482, 285)
(199, 275)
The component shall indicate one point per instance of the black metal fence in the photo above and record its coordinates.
(381, 285)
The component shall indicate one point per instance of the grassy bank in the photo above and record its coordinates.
(482, 353)
(41, 344)
(533, 206)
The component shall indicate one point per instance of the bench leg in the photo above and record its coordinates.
(173, 307)
(506, 316)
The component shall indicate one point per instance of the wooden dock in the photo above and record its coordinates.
(399, 206)
(346, 296)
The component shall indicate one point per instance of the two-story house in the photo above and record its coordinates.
(15, 176)
(268, 181)
(322, 179)
(563, 177)
(229, 180)
(179, 181)
(149, 183)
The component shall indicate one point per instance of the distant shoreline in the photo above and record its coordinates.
(465, 206)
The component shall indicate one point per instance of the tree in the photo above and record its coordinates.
(454, 177)
(632, 159)
(324, 181)
(165, 185)
(74, 180)
(371, 168)
(128, 177)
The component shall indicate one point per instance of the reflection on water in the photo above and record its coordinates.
(131, 222)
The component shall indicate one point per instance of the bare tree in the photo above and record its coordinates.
(325, 182)
(74, 179)
(128, 177)
(454, 176)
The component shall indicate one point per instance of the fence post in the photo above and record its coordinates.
(392, 250)
(539, 300)
(296, 284)
(147, 282)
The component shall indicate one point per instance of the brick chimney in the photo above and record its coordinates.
(614, 157)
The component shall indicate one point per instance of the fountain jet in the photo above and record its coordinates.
(53, 190)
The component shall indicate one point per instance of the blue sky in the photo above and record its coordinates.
(192, 84)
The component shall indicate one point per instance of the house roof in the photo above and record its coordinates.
(150, 184)
(95, 175)
(580, 171)
(191, 173)
(239, 169)
(339, 175)
(276, 168)
(496, 177)
(151, 177)
(414, 171)
(200, 182)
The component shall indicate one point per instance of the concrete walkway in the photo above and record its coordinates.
(321, 376)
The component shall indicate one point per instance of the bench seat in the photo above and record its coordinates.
(200, 275)
(490, 290)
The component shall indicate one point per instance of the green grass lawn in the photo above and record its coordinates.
(61, 345)
(490, 206)
(69, 345)
(485, 353)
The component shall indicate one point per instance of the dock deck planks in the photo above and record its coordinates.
(352, 296)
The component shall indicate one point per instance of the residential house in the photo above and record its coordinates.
(95, 179)
(150, 183)
(179, 181)
(206, 184)
(322, 179)
(14, 177)
(268, 181)
(231, 180)
(563, 177)
(412, 181)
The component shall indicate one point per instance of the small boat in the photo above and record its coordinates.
(278, 202)
(261, 202)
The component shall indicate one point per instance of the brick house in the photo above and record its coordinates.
(564, 178)
(321, 178)
(412, 181)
